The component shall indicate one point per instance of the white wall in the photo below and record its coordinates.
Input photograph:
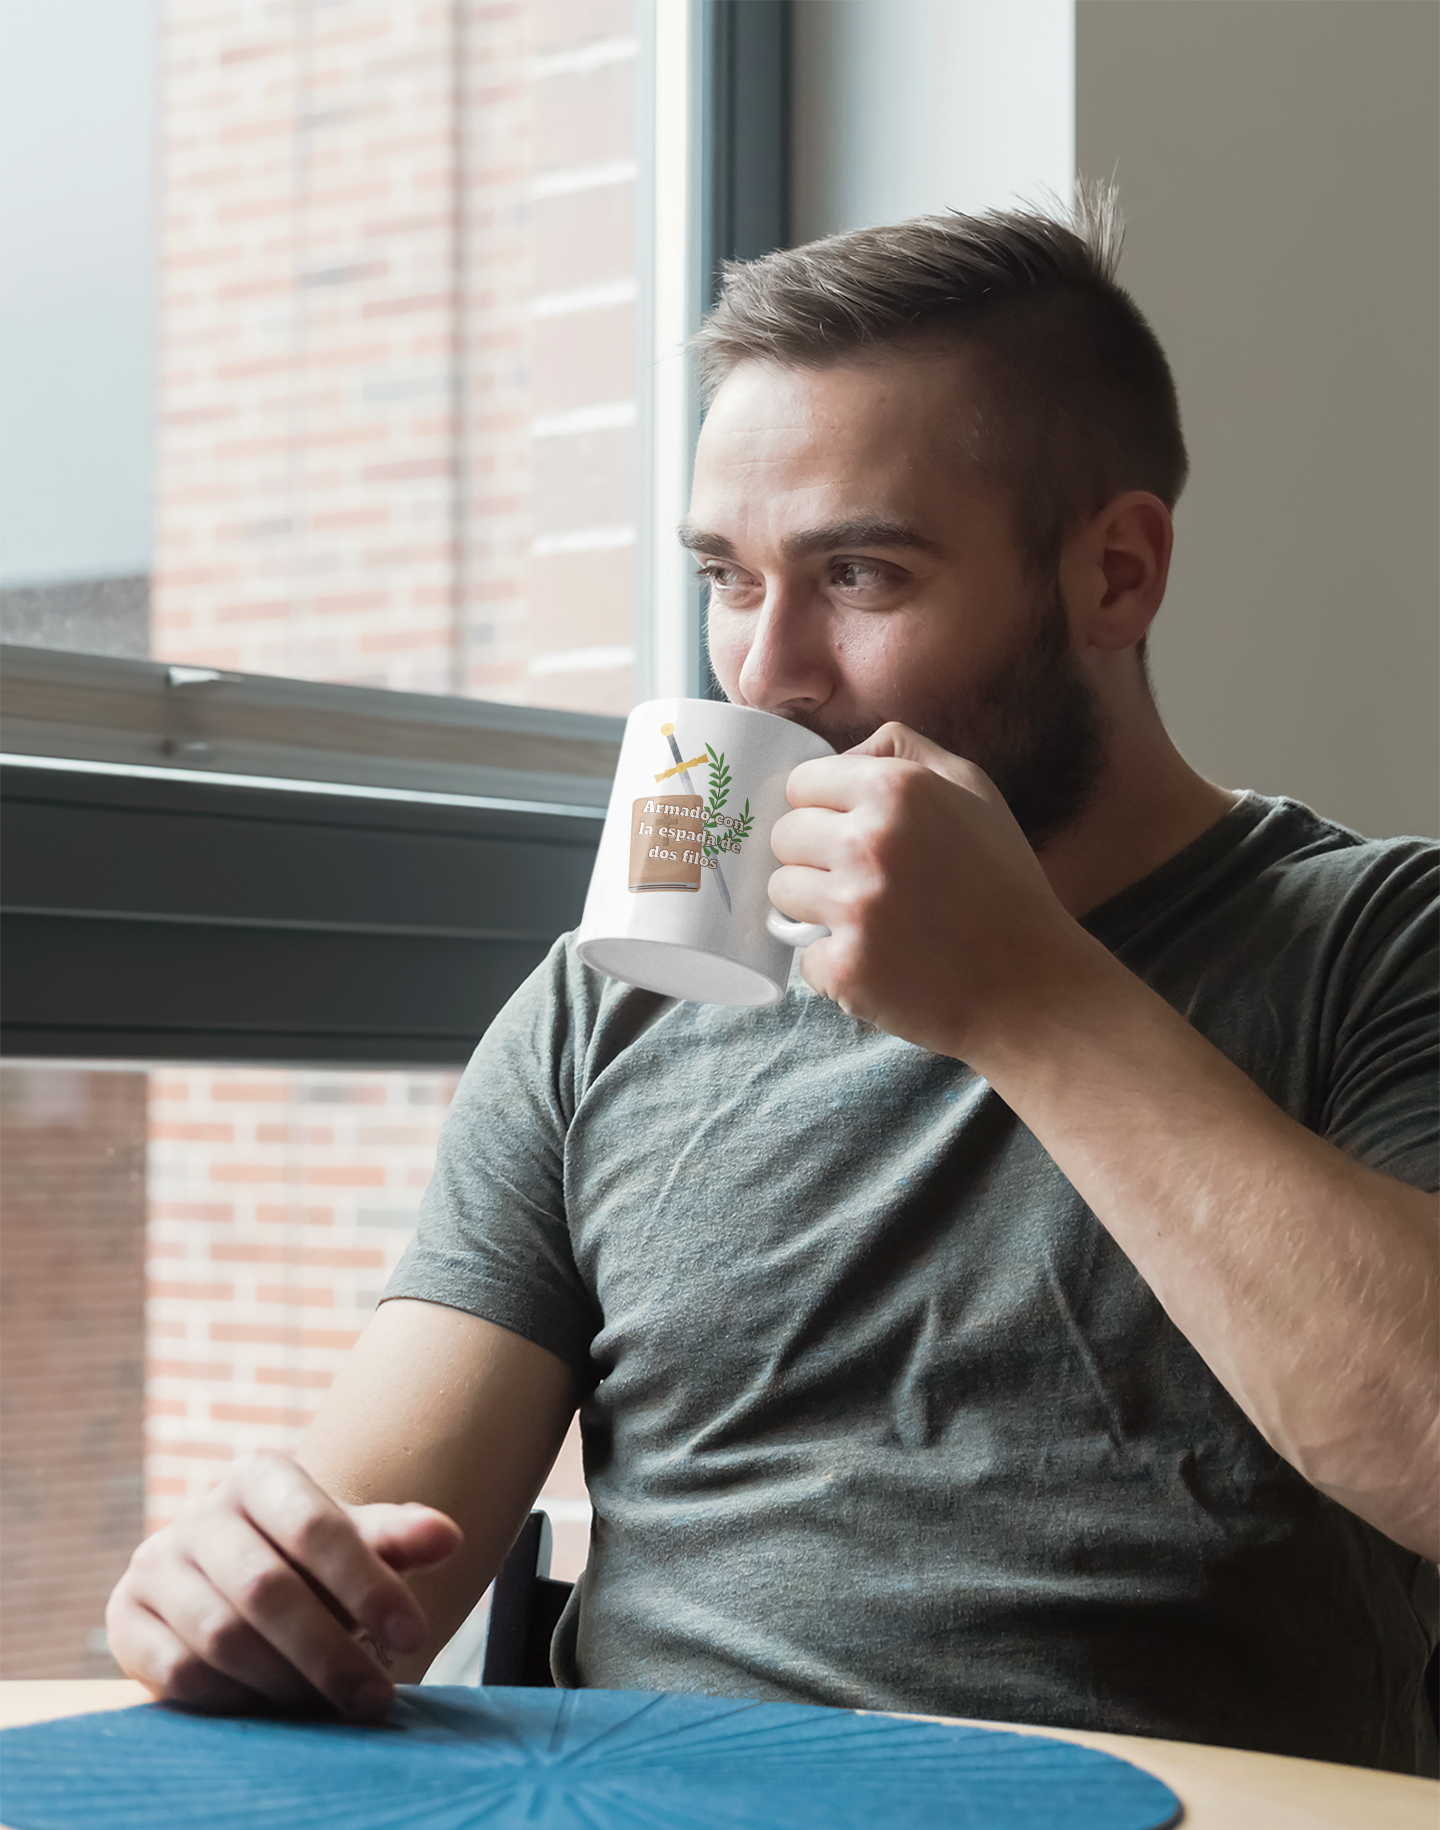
(1277, 162)
(908, 106)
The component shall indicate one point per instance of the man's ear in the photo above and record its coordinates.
(1113, 570)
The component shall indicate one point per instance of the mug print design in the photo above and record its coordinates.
(674, 837)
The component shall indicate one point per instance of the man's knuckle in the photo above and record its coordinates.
(265, 1587)
(314, 1532)
(219, 1637)
(186, 1678)
(148, 1556)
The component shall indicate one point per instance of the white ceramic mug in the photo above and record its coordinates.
(678, 899)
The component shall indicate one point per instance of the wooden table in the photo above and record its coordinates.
(1222, 1788)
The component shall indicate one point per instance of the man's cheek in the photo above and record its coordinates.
(727, 654)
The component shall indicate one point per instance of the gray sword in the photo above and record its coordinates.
(690, 788)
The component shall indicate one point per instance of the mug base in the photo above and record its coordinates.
(679, 972)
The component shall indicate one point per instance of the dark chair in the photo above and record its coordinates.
(524, 1608)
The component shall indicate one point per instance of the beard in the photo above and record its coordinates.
(1033, 724)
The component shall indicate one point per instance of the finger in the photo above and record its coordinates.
(210, 1636)
(152, 1653)
(318, 1536)
(266, 1598)
(837, 782)
(406, 1537)
(807, 835)
(801, 893)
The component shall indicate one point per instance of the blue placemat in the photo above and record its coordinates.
(459, 1759)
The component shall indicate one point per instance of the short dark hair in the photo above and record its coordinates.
(1077, 402)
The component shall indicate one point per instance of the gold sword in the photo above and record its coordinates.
(694, 763)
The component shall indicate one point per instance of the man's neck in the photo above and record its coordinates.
(1148, 805)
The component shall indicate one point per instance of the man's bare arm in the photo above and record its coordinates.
(408, 1490)
(452, 1412)
(1306, 1282)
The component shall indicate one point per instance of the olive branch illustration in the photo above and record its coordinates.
(719, 794)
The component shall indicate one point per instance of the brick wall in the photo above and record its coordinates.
(279, 1204)
(397, 353)
(72, 1188)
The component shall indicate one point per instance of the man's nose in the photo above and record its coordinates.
(785, 666)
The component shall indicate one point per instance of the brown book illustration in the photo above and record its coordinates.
(667, 839)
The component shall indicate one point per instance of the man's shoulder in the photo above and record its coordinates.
(1305, 866)
(1272, 861)
(1297, 832)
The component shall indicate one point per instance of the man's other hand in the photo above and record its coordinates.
(264, 1592)
(940, 915)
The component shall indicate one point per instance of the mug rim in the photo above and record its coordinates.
(728, 705)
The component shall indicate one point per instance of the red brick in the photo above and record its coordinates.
(282, 1417)
(300, 1378)
(199, 1370)
(250, 1091)
(265, 1334)
(287, 1296)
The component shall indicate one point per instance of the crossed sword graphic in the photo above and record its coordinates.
(682, 769)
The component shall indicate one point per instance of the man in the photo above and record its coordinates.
(1033, 1315)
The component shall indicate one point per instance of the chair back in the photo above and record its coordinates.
(525, 1607)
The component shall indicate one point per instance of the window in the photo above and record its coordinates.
(337, 539)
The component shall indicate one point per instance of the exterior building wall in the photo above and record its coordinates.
(72, 1349)
(279, 1204)
(398, 347)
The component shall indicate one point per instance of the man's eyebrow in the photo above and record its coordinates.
(700, 542)
(863, 533)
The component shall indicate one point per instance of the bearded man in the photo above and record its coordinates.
(1032, 1316)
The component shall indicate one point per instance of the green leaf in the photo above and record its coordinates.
(719, 783)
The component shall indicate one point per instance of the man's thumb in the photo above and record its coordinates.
(896, 739)
(407, 1537)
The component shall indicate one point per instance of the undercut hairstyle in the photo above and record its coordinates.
(1076, 401)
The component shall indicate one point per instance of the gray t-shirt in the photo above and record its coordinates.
(877, 1412)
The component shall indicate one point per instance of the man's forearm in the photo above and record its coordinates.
(1306, 1282)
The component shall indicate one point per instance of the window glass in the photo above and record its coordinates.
(380, 317)
(77, 322)
(72, 1360)
(317, 342)
(189, 1254)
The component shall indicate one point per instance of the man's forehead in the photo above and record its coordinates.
(842, 447)
(888, 381)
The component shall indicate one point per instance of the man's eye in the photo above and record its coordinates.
(856, 575)
(721, 578)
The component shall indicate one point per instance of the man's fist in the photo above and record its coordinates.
(266, 1591)
(940, 916)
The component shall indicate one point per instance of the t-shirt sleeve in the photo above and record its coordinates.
(492, 1236)
(1381, 1103)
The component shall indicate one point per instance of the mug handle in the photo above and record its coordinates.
(793, 933)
